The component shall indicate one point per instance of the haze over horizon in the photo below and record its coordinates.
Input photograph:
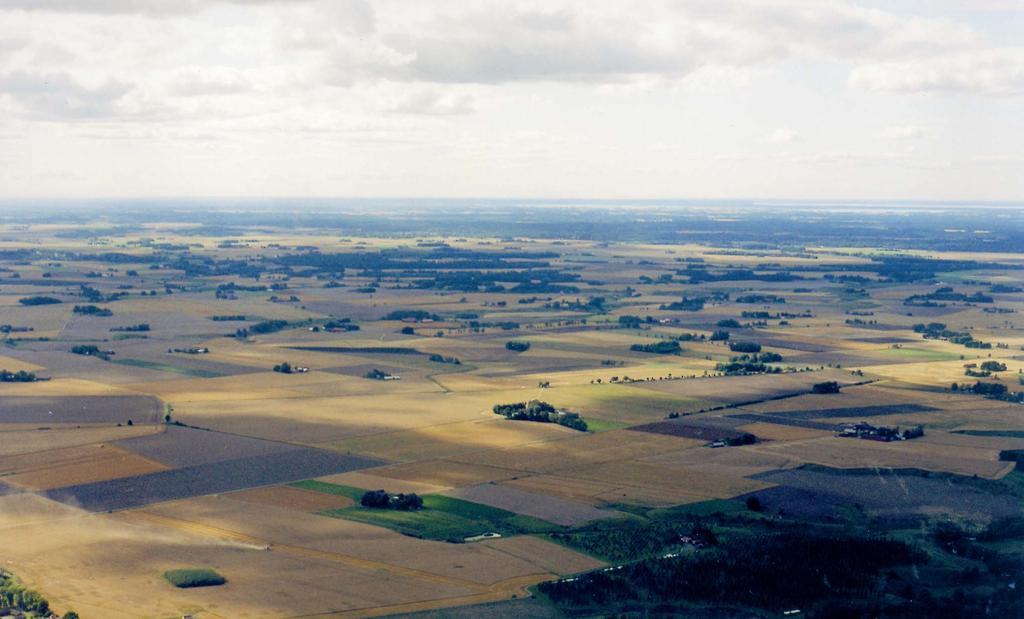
(781, 99)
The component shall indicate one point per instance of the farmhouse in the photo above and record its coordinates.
(869, 432)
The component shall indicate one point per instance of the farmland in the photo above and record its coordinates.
(180, 447)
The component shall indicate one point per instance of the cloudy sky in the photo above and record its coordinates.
(918, 99)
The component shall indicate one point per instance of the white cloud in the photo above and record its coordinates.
(432, 102)
(58, 95)
(904, 132)
(987, 72)
(603, 86)
(781, 136)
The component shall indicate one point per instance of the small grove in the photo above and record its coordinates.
(536, 410)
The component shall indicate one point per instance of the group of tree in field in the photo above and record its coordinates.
(39, 300)
(91, 310)
(139, 328)
(377, 374)
(91, 350)
(755, 363)
(21, 376)
(261, 328)
(663, 347)
(381, 499)
(985, 369)
(938, 331)
(443, 359)
(517, 346)
(537, 410)
(946, 293)
(14, 595)
(826, 387)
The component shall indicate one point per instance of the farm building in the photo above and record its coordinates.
(876, 433)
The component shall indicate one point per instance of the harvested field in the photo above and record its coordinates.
(177, 446)
(450, 439)
(78, 465)
(771, 431)
(223, 476)
(374, 548)
(735, 462)
(558, 511)
(95, 548)
(893, 493)
(366, 480)
(292, 498)
(80, 409)
(853, 453)
(858, 411)
(730, 390)
(16, 439)
(784, 420)
(689, 430)
(579, 449)
(362, 350)
(446, 473)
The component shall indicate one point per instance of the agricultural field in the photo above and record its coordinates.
(324, 419)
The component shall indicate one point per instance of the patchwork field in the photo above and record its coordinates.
(346, 425)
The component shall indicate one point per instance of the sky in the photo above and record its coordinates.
(784, 99)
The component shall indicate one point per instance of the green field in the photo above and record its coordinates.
(163, 367)
(442, 517)
(187, 578)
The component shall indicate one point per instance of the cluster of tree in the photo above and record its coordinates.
(283, 368)
(762, 299)
(380, 499)
(267, 326)
(439, 259)
(377, 374)
(830, 386)
(528, 281)
(340, 324)
(634, 322)
(227, 291)
(700, 274)
(946, 293)
(755, 363)
(986, 369)
(14, 595)
(506, 325)
(692, 337)
(411, 314)
(442, 359)
(139, 328)
(91, 350)
(228, 317)
(686, 304)
(774, 571)
(728, 323)
(1005, 288)
(664, 347)
(745, 347)
(91, 310)
(719, 336)
(537, 410)
(38, 301)
(517, 346)
(593, 304)
(938, 331)
(14, 329)
(994, 391)
(21, 376)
